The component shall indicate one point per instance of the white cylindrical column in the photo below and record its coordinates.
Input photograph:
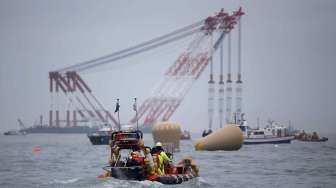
(228, 92)
(239, 99)
(221, 90)
(211, 88)
(239, 83)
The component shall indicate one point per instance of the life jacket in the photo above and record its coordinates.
(164, 156)
(150, 167)
(158, 161)
(170, 169)
(118, 136)
(139, 159)
(150, 160)
(135, 160)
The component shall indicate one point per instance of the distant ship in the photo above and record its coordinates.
(85, 128)
(268, 135)
(82, 127)
(185, 135)
(306, 137)
(61, 130)
(17, 133)
(103, 135)
(262, 136)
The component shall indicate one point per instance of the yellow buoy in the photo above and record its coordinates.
(228, 138)
(167, 132)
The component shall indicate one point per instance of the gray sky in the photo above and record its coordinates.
(288, 56)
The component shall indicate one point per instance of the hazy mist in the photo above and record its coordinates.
(288, 56)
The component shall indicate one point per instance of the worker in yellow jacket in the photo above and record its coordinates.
(160, 158)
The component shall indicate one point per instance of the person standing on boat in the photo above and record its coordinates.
(115, 155)
(160, 157)
(149, 164)
(158, 149)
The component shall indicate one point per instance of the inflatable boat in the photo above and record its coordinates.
(125, 168)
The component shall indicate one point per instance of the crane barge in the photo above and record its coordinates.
(83, 107)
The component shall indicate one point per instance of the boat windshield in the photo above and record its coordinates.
(258, 133)
(242, 128)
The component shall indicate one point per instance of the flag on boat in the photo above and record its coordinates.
(117, 106)
(135, 105)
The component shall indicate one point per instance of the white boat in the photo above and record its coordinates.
(15, 133)
(185, 135)
(21, 131)
(268, 135)
(102, 136)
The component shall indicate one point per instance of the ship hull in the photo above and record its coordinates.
(61, 130)
(276, 140)
(14, 133)
(99, 140)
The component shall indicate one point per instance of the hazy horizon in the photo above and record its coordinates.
(288, 57)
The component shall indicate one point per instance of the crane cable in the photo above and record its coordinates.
(94, 64)
(141, 45)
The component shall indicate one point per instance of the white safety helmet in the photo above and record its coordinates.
(158, 144)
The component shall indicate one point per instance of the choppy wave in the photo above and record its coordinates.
(67, 181)
(70, 161)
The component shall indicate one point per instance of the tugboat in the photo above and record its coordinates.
(128, 169)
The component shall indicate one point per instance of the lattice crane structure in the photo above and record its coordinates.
(167, 95)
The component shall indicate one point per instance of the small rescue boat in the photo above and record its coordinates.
(306, 137)
(185, 135)
(140, 169)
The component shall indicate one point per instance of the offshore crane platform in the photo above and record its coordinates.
(207, 37)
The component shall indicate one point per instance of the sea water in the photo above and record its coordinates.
(69, 160)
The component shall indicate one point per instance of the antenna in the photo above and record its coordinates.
(136, 112)
(117, 110)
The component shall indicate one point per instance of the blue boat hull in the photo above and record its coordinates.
(100, 140)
